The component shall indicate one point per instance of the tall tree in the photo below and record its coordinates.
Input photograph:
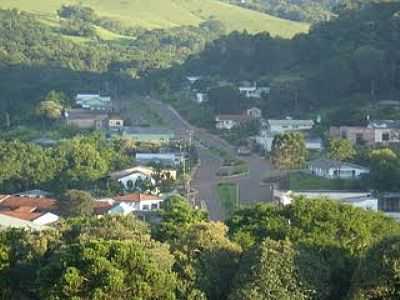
(177, 216)
(74, 203)
(289, 151)
(340, 149)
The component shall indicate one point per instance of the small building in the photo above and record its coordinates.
(115, 121)
(149, 134)
(336, 169)
(288, 125)
(254, 113)
(86, 119)
(165, 159)
(129, 177)
(314, 143)
(363, 200)
(138, 202)
(385, 132)
(254, 91)
(12, 222)
(31, 214)
(33, 206)
(201, 98)
(94, 102)
(193, 79)
(230, 121)
(356, 134)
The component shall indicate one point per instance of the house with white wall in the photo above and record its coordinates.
(363, 200)
(275, 127)
(254, 91)
(128, 177)
(333, 169)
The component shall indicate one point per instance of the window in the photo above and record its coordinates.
(154, 206)
(359, 139)
(391, 204)
(118, 123)
(130, 184)
(146, 207)
(344, 134)
(385, 137)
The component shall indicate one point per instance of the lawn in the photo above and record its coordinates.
(228, 197)
(163, 14)
(302, 181)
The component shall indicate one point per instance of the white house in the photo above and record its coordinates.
(201, 97)
(115, 121)
(128, 177)
(12, 222)
(193, 79)
(46, 219)
(386, 131)
(336, 169)
(254, 91)
(314, 143)
(93, 102)
(136, 202)
(363, 200)
(229, 121)
(254, 113)
(287, 125)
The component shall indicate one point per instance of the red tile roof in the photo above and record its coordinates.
(11, 202)
(25, 213)
(102, 207)
(136, 197)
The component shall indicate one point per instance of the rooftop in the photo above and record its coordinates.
(384, 124)
(9, 221)
(80, 113)
(13, 202)
(23, 212)
(291, 122)
(330, 163)
(136, 197)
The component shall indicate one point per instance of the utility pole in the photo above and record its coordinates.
(237, 195)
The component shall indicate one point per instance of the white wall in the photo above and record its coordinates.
(47, 218)
(133, 178)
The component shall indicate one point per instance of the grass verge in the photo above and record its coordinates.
(228, 197)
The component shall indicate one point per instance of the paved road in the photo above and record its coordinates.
(205, 180)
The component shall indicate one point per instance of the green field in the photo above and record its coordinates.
(228, 198)
(168, 13)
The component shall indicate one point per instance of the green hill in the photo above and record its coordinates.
(169, 13)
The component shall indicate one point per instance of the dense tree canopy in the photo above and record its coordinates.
(289, 151)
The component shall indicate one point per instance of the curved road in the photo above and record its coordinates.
(205, 180)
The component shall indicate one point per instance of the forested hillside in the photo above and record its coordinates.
(312, 11)
(340, 67)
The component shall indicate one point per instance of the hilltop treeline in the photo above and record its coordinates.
(313, 11)
(344, 64)
(312, 249)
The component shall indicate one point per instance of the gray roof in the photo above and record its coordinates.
(291, 122)
(384, 124)
(330, 164)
